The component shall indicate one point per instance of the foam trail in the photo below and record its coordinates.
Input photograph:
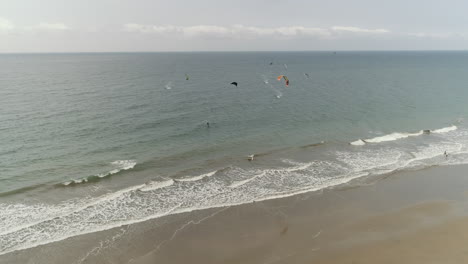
(278, 94)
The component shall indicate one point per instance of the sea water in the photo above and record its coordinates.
(94, 141)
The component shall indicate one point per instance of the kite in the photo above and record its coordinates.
(285, 79)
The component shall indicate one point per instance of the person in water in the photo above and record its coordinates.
(445, 154)
(208, 124)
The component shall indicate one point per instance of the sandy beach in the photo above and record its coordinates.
(406, 217)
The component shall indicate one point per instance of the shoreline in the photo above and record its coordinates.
(310, 225)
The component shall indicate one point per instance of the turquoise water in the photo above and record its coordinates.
(94, 141)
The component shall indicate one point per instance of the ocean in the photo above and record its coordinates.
(90, 142)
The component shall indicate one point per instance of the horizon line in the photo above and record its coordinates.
(229, 51)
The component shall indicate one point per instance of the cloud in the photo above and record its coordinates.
(283, 32)
(241, 31)
(206, 30)
(6, 25)
(359, 30)
(170, 29)
(236, 31)
(447, 35)
(132, 27)
(49, 27)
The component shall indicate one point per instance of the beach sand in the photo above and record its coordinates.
(406, 217)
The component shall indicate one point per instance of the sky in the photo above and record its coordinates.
(231, 25)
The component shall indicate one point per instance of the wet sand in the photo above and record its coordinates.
(407, 217)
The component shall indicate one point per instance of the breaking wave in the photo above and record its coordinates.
(155, 185)
(28, 225)
(120, 165)
(397, 135)
(196, 178)
(445, 129)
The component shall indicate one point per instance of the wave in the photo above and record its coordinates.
(392, 137)
(24, 189)
(28, 225)
(196, 178)
(397, 135)
(358, 142)
(156, 185)
(120, 164)
(140, 203)
(240, 183)
(445, 129)
(42, 213)
(133, 205)
(314, 144)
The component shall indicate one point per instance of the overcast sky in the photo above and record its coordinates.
(218, 25)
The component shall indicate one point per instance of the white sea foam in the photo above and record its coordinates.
(368, 160)
(134, 205)
(242, 182)
(428, 153)
(358, 142)
(392, 137)
(24, 226)
(21, 213)
(77, 181)
(196, 178)
(398, 135)
(445, 129)
(120, 165)
(298, 165)
(155, 185)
